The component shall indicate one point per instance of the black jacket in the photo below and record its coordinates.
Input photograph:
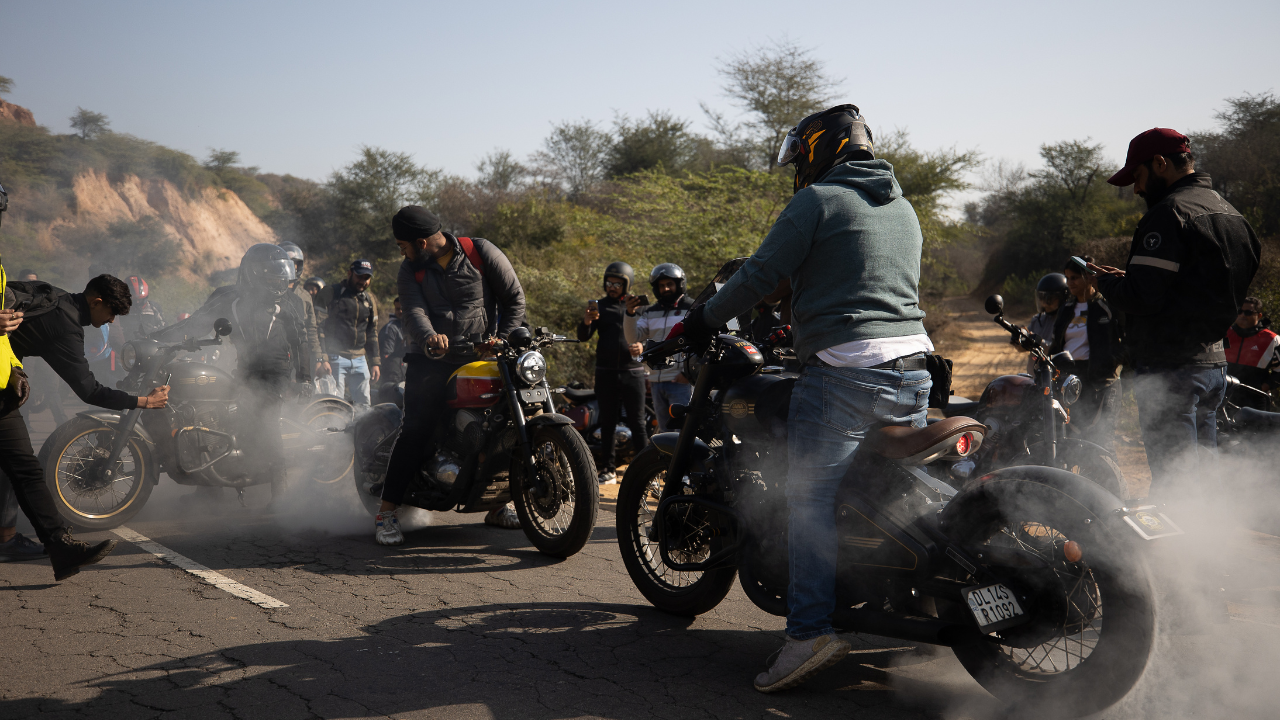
(1104, 329)
(1190, 265)
(57, 336)
(459, 300)
(391, 346)
(612, 351)
(268, 334)
(351, 325)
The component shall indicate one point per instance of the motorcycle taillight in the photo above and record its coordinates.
(964, 444)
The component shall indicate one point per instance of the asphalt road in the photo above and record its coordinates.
(469, 621)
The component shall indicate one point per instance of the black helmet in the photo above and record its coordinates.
(295, 254)
(668, 271)
(1053, 285)
(621, 270)
(266, 267)
(823, 140)
(318, 282)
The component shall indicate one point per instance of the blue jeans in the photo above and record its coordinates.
(1177, 410)
(831, 411)
(666, 394)
(353, 371)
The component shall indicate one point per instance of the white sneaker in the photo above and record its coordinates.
(387, 528)
(800, 659)
(608, 477)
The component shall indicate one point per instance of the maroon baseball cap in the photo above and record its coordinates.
(1156, 141)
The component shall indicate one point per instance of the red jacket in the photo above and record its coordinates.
(1252, 354)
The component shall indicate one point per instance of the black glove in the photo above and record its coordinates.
(697, 329)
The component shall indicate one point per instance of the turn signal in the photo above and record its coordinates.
(1071, 551)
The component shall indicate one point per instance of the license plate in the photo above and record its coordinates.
(534, 396)
(994, 607)
(1151, 525)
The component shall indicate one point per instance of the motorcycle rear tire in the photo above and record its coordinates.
(1127, 608)
(640, 554)
(51, 457)
(584, 493)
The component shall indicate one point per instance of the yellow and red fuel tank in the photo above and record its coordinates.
(474, 385)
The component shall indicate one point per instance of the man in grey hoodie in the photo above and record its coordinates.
(850, 244)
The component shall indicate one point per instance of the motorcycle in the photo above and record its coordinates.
(1243, 429)
(101, 465)
(1014, 572)
(583, 408)
(502, 440)
(1027, 419)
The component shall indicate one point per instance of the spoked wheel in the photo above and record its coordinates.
(1090, 462)
(557, 510)
(674, 591)
(75, 469)
(332, 455)
(1091, 611)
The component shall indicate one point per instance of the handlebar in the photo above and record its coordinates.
(665, 349)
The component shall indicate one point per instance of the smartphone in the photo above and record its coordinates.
(644, 300)
(1079, 265)
(593, 305)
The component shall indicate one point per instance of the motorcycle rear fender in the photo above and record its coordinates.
(975, 498)
(699, 458)
(107, 417)
(548, 419)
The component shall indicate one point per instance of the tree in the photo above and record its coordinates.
(1242, 158)
(572, 156)
(368, 192)
(777, 85)
(660, 141)
(220, 160)
(500, 172)
(6, 85)
(89, 124)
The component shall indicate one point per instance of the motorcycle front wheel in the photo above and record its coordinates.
(557, 511)
(74, 458)
(677, 592)
(1093, 619)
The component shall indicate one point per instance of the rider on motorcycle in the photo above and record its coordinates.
(269, 328)
(312, 357)
(146, 316)
(850, 244)
(448, 289)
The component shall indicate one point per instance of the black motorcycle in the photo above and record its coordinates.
(582, 407)
(1247, 430)
(502, 440)
(1015, 572)
(1028, 418)
(101, 465)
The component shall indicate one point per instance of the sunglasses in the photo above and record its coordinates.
(1249, 313)
(611, 283)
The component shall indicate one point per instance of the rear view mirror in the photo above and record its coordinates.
(995, 305)
(222, 327)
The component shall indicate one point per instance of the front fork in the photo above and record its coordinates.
(1044, 379)
(124, 429)
(698, 410)
(531, 473)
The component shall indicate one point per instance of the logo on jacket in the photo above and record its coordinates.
(1151, 241)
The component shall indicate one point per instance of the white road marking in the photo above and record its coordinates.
(215, 579)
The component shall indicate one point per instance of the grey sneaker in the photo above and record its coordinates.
(19, 548)
(608, 477)
(799, 659)
(504, 517)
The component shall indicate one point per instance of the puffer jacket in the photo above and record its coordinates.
(459, 300)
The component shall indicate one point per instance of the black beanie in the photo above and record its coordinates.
(413, 222)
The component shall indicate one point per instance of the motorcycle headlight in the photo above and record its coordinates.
(1071, 387)
(129, 357)
(531, 367)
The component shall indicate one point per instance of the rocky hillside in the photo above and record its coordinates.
(17, 114)
(214, 227)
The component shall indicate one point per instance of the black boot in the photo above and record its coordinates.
(68, 555)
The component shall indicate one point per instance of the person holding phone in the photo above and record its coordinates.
(1091, 331)
(643, 321)
(619, 375)
(1192, 259)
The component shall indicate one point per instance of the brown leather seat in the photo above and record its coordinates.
(896, 442)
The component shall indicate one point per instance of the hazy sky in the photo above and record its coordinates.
(298, 87)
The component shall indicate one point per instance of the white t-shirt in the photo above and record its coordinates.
(865, 353)
(1076, 337)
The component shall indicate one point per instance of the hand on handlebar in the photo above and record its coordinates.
(157, 399)
(438, 345)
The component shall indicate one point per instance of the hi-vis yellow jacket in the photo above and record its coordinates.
(8, 361)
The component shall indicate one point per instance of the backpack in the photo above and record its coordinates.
(468, 249)
(32, 297)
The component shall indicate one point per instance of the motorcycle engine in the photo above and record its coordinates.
(466, 435)
(205, 443)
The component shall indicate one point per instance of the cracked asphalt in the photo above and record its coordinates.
(467, 621)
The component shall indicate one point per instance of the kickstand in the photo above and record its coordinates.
(240, 497)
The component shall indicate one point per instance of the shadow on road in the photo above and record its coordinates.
(535, 661)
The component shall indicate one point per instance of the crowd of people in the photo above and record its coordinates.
(846, 250)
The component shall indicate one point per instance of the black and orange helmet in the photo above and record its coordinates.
(139, 287)
(824, 140)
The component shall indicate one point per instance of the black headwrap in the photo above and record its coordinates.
(413, 222)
